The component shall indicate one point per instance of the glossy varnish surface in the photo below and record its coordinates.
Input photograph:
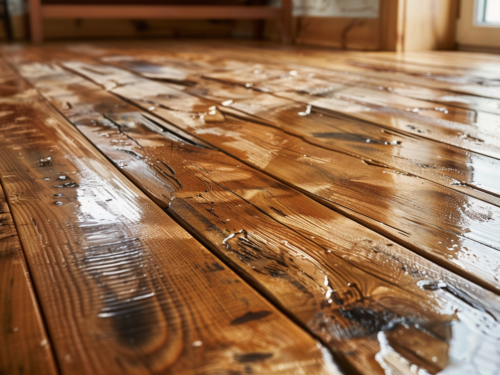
(432, 219)
(24, 345)
(123, 288)
(377, 238)
(232, 207)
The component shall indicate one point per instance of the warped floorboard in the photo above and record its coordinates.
(376, 238)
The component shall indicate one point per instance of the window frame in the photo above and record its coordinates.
(480, 15)
(472, 35)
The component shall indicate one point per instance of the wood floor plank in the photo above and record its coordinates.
(415, 117)
(125, 289)
(475, 66)
(153, 64)
(385, 102)
(464, 171)
(472, 84)
(480, 83)
(174, 63)
(284, 242)
(446, 165)
(25, 347)
(470, 62)
(478, 103)
(448, 227)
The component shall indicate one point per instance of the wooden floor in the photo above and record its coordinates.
(225, 208)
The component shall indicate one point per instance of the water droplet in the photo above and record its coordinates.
(58, 195)
(58, 203)
(197, 343)
(227, 102)
(441, 109)
(71, 184)
(47, 178)
(431, 285)
(455, 182)
(62, 178)
(45, 162)
(248, 85)
(306, 112)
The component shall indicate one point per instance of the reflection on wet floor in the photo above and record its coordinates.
(368, 213)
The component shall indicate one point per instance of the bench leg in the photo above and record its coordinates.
(286, 21)
(36, 29)
(8, 24)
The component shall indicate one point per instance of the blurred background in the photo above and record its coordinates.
(404, 25)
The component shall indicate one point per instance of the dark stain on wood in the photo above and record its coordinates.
(250, 316)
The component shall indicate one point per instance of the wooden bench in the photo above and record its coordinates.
(155, 9)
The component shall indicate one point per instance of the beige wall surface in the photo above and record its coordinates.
(472, 36)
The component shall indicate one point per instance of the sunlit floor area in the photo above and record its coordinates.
(178, 207)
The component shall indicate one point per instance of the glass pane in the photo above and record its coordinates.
(492, 11)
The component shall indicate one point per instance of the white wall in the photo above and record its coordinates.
(16, 7)
(335, 8)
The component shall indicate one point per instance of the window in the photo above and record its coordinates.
(488, 12)
(478, 26)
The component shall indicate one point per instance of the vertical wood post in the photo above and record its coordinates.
(417, 25)
(35, 16)
(286, 21)
(392, 18)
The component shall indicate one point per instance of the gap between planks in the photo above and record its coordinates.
(290, 346)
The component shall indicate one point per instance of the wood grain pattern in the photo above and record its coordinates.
(411, 116)
(366, 97)
(159, 63)
(123, 287)
(346, 33)
(284, 242)
(465, 171)
(414, 25)
(454, 67)
(24, 345)
(428, 218)
(477, 81)
(448, 165)
(378, 306)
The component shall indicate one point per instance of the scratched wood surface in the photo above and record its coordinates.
(377, 305)
(373, 97)
(24, 344)
(123, 288)
(279, 239)
(450, 228)
(465, 171)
